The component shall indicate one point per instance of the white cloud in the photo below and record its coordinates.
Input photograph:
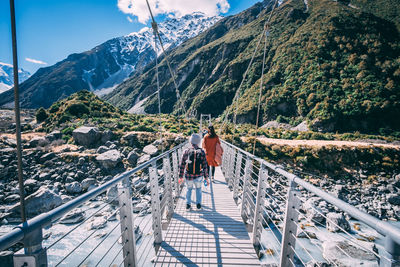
(35, 61)
(177, 8)
(129, 19)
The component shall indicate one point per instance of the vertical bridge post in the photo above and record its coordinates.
(236, 181)
(290, 227)
(246, 181)
(257, 226)
(35, 254)
(155, 203)
(224, 158)
(176, 173)
(168, 186)
(127, 224)
(391, 256)
(231, 168)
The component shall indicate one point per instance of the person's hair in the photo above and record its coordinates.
(212, 131)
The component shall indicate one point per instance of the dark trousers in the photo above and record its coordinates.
(212, 170)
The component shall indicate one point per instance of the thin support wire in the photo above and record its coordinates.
(295, 253)
(145, 248)
(306, 250)
(80, 224)
(104, 238)
(84, 240)
(349, 238)
(112, 245)
(119, 251)
(123, 260)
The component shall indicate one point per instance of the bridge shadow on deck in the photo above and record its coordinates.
(211, 229)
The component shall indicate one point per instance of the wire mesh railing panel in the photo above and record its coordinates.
(297, 224)
(116, 223)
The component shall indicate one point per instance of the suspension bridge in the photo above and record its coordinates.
(253, 215)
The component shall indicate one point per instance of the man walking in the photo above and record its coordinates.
(193, 167)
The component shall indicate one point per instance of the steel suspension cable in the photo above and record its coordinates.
(17, 112)
(155, 28)
(261, 87)
(236, 97)
(158, 93)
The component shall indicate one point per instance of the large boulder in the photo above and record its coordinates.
(38, 141)
(313, 212)
(87, 183)
(133, 158)
(73, 188)
(129, 139)
(72, 217)
(342, 253)
(143, 159)
(43, 200)
(102, 149)
(53, 136)
(275, 124)
(106, 136)
(302, 127)
(109, 159)
(86, 136)
(336, 222)
(394, 199)
(47, 157)
(112, 195)
(150, 150)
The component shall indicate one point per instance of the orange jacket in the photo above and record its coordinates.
(209, 145)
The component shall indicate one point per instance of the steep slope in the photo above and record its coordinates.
(106, 65)
(198, 61)
(386, 9)
(330, 64)
(7, 76)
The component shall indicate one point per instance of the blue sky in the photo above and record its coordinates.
(49, 30)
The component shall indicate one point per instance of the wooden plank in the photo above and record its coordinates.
(215, 235)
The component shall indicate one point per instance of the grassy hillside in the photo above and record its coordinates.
(335, 66)
(85, 108)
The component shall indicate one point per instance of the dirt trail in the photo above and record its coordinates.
(24, 136)
(321, 143)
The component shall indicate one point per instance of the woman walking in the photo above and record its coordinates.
(210, 143)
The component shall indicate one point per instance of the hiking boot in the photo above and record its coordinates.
(198, 206)
(187, 206)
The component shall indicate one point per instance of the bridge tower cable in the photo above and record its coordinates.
(238, 91)
(158, 92)
(266, 34)
(17, 111)
(154, 25)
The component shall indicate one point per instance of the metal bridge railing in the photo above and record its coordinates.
(142, 198)
(288, 214)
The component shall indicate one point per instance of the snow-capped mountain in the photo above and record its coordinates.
(102, 68)
(136, 50)
(7, 76)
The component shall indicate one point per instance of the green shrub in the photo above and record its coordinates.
(77, 109)
(41, 115)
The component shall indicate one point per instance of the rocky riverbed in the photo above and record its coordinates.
(327, 236)
(55, 172)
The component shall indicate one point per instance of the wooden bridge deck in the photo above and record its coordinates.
(214, 236)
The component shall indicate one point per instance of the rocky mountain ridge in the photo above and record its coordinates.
(7, 76)
(105, 66)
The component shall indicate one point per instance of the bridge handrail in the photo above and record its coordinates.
(47, 218)
(381, 227)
